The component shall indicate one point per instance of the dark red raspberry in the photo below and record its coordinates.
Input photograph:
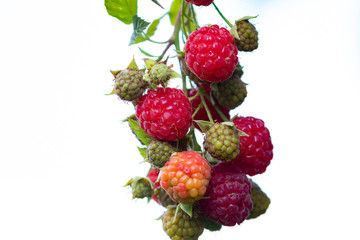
(211, 54)
(228, 198)
(200, 2)
(164, 114)
(201, 114)
(256, 149)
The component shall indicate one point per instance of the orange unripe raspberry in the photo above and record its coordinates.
(185, 177)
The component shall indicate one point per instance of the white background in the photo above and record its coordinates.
(65, 155)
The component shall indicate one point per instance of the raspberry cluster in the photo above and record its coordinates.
(202, 185)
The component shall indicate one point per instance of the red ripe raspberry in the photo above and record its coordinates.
(201, 114)
(228, 198)
(185, 177)
(153, 176)
(211, 54)
(200, 2)
(256, 149)
(164, 114)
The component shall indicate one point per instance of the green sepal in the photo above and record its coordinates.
(247, 18)
(149, 63)
(112, 92)
(234, 32)
(187, 208)
(142, 152)
(115, 73)
(194, 145)
(132, 65)
(174, 74)
(212, 161)
(204, 125)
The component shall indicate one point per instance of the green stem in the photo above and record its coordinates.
(194, 17)
(174, 39)
(223, 117)
(195, 96)
(222, 16)
(197, 110)
(205, 105)
(153, 41)
(184, 7)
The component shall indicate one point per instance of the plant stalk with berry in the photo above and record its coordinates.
(203, 184)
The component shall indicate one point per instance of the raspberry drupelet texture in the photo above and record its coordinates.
(200, 2)
(256, 150)
(248, 36)
(129, 84)
(159, 152)
(211, 54)
(228, 198)
(164, 114)
(201, 114)
(185, 177)
(222, 142)
(180, 226)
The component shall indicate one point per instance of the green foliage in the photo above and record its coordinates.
(139, 25)
(174, 9)
(124, 10)
(138, 131)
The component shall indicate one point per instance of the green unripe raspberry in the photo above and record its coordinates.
(159, 74)
(141, 187)
(129, 84)
(222, 141)
(230, 93)
(248, 36)
(159, 152)
(182, 226)
(260, 201)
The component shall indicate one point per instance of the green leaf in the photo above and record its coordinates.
(142, 152)
(139, 25)
(145, 53)
(174, 9)
(157, 3)
(138, 131)
(124, 10)
(152, 28)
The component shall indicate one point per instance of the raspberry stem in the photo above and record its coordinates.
(223, 117)
(197, 110)
(222, 16)
(205, 105)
